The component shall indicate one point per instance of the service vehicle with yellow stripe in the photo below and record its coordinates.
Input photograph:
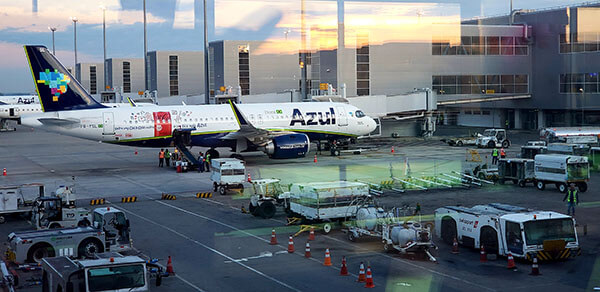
(502, 229)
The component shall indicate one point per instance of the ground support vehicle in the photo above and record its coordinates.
(577, 135)
(326, 202)
(493, 138)
(395, 230)
(462, 141)
(265, 195)
(105, 272)
(561, 170)
(49, 212)
(18, 199)
(227, 173)
(518, 170)
(109, 232)
(595, 158)
(502, 229)
(7, 125)
(474, 166)
(530, 151)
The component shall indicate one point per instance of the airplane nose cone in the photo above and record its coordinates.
(371, 125)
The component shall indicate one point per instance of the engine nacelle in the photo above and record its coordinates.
(288, 146)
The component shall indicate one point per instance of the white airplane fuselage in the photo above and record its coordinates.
(208, 124)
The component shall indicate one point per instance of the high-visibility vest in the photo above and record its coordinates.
(572, 196)
(495, 152)
(161, 154)
(502, 153)
(167, 155)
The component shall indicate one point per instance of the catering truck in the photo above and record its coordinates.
(109, 232)
(561, 170)
(502, 229)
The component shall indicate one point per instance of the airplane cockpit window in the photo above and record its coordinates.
(359, 114)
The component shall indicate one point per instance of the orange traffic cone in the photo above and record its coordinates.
(315, 160)
(291, 245)
(273, 238)
(369, 283)
(170, 267)
(392, 149)
(327, 261)
(511, 262)
(311, 235)
(535, 269)
(4, 172)
(135, 151)
(361, 273)
(307, 250)
(482, 255)
(249, 178)
(344, 270)
(455, 246)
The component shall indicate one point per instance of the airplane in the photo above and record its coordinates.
(18, 99)
(280, 130)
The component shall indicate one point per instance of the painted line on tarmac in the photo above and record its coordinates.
(210, 249)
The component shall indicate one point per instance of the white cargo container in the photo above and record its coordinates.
(561, 170)
(18, 199)
(227, 173)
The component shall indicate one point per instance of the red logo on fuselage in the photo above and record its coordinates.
(162, 124)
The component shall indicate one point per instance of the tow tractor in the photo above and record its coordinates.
(110, 231)
(105, 272)
(502, 229)
(265, 195)
(396, 231)
(493, 138)
(59, 211)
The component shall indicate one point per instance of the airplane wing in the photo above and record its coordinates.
(257, 136)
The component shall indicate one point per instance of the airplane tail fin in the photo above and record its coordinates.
(56, 87)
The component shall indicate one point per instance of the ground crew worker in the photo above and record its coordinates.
(506, 124)
(502, 153)
(201, 162)
(207, 161)
(495, 156)
(572, 199)
(176, 156)
(161, 158)
(167, 157)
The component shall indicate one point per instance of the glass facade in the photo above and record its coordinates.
(579, 82)
(173, 75)
(579, 43)
(93, 80)
(126, 77)
(481, 45)
(480, 84)
(244, 68)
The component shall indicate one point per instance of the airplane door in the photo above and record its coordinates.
(109, 124)
(341, 116)
(162, 124)
(11, 112)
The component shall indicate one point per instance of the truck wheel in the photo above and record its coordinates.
(39, 251)
(489, 239)
(267, 210)
(327, 228)
(222, 190)
(540, 185)
(491, 144)
(562, 187)
(582, 187)
(54, 226)
(2, 219)
(459, 143)
(252, 209)
(387, 248)
(351, 236)
(88, 247)
(448, 230)
(515, 181)
(522, 183)
(505, 144)
(215, 186)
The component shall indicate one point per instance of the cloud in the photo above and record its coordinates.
(20, 18)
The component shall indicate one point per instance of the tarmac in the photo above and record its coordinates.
(215, 247)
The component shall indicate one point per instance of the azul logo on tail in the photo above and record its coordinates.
(58, 82)
(313, 118)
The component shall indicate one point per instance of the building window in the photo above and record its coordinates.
(244, 68)
(479, 45)
(579, 43)
(579, 83)
(362, 66)
(173, 75)
(126, 77)
(93, 80)
(480, 84)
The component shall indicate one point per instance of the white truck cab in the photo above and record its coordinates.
(493, 138)
(504, 229)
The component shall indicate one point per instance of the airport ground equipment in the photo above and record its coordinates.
(105, 272)
(493, 138)
(325, 202)
(475, 166)
(518, 170)
(18, 199)
(502, 228)
(7, 125)
(52, 212)
(530, 151)
(396, 229)
(265, 195)
(110, 231)
(576, 135)
(227, 173)
(462, 141)
(561, 170)
(595, 158)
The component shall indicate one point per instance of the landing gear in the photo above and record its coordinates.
(213, 153)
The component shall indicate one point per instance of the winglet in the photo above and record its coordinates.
(131, 102)
(238, 115)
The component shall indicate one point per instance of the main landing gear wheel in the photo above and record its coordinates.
(213, 153)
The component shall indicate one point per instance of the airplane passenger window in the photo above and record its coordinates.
(359, 114)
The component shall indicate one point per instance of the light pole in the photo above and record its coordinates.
(74, 19)
(582, 105)
(145, 51)
(104, 41)
(53, 29)
(206, 77)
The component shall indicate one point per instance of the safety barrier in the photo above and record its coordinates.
(203, 195)
(168, 197)
(94, 202)
(129, 199)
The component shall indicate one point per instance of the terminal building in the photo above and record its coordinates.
(91, 76)
(125, 75)
(176, 73)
